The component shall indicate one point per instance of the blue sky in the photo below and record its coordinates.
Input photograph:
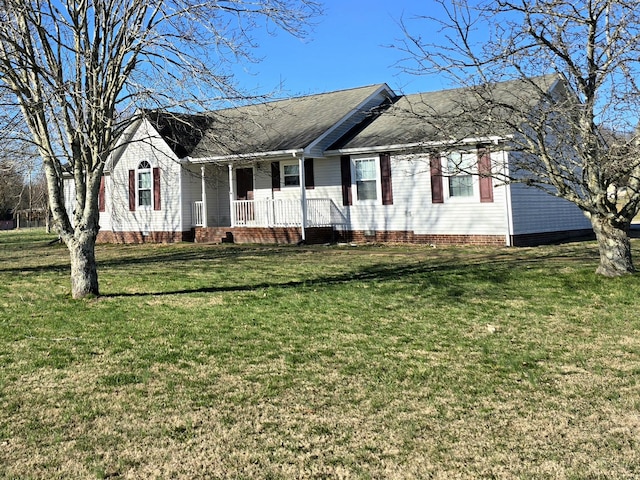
(347, 48)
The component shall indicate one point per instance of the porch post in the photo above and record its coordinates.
(205, 222)
(303, 198)
(232, 195)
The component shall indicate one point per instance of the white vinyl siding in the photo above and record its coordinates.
(145, 148)
(535, 211)
(217, 190)
(412, 209)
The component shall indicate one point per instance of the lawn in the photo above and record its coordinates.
(284, 362)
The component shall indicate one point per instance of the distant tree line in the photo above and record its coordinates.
(22, 188)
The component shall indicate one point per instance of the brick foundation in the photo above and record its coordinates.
(529, 240)
(262, 235)
(138, 237)
(360, 236)
(292, 235)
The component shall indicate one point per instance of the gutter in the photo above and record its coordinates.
(415, 145)
(295, 152)
(245, 156)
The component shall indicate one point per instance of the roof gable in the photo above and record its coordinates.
(181, 132)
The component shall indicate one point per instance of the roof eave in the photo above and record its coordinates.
(494, 139)
(294, 152)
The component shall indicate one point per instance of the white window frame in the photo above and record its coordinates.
(378, 180)
(148, 170)
(284, 164)
(469, 161)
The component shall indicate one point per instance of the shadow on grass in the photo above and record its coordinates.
(57, 267)
(133, 255)
(193, 253)
(370, 274)
(449, 272)
(577, 252)
(440, 268)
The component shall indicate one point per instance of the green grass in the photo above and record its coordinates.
(227, 361)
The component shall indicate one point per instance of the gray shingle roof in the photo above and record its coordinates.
(281, 125)
(453, 114)
(296, 123)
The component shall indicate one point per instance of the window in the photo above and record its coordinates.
(144, 187)
(291, 174)
(460, 168)
(287, 174)
(366, 179)
(369, 177)
(144, 184)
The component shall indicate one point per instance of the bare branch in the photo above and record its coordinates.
(578, 140)
(79, 70)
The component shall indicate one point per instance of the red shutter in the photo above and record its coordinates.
(437, 193)
(385, 176)
(309, 181)
(156, 189)
(132, 190)
(275, 176)
(101, 202)
(345, 170)
(485, 180)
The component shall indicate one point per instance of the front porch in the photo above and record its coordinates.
(271, 221)
(262, 201)
(270, 213)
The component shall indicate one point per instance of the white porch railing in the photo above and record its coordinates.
(321, 212)
(281, 213)
(197, 214)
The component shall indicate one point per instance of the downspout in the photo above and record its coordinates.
(507, 199)
(232, 194)
(205, 222)
(303, 199)
(181, 219)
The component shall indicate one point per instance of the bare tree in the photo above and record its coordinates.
(77, 67)
(577, 141)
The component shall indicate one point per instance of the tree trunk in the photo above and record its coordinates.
(84, 274)
(614, 246)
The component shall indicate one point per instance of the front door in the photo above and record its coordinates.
(244, 191)
(244, 183)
